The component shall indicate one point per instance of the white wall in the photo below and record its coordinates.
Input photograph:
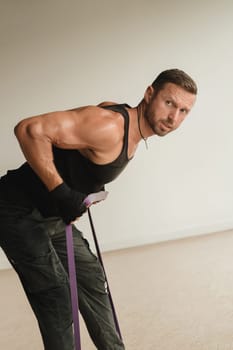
(59, 54)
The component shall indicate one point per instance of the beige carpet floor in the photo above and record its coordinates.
(175, 295)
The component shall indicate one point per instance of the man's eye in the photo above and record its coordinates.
(169, 103)
(183, 110)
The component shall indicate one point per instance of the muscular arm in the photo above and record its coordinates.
(88, 128)
(37, 149)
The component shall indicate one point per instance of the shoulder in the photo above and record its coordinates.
(103, 126)
(97, 115)
(106, 103)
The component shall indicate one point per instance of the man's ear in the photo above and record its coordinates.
(149, 93)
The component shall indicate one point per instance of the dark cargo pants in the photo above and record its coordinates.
(36, 248)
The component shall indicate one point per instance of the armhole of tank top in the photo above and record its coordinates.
(120, 108)
(126, 131)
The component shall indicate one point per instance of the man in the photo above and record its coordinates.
(70, 154)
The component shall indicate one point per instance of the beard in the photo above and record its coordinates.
(154, 123)
(149, 119)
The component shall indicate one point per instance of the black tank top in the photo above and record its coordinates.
(76, 170)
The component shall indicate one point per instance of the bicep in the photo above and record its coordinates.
(58, 128)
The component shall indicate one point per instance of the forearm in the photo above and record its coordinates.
(37, 150)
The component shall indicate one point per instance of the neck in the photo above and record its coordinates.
(139, 118)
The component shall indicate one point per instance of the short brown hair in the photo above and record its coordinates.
(175, 76)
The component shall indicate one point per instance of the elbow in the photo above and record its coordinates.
(27, 128)
(19, 129)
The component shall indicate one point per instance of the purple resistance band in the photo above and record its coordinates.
(101, 261)
(73, 278)
(73, 286)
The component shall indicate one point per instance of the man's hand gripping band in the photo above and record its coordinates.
(72, 204)
(69, 202)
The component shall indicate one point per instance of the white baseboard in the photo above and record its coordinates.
(167, 236)
(150, 239)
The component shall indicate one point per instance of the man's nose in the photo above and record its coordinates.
(173, 116)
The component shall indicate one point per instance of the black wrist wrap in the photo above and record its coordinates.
(69, 202)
